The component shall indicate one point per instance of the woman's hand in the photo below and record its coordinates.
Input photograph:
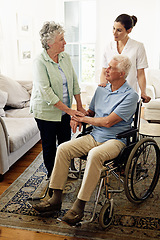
(102, 84)
(72, 112)
(68, 110)
(81, 109)
(145, 98)
(142, 85)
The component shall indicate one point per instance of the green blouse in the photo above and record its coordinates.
(48, 85)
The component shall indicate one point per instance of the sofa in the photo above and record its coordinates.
(18, 128)
(152, 109)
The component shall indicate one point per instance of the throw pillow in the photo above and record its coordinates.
(3, 101)
(27, 85)
(17, 95)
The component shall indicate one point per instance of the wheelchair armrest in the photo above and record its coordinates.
(125, 134)
(86, 129)
(128, 133)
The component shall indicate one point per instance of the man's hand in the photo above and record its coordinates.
(89, 115)
(74, 124)
(78, 118)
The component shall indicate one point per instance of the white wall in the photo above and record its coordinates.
(146, 29)
(39, 12)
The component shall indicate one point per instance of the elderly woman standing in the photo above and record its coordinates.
(54, 85)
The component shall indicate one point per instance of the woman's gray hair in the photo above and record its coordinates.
(49, 32)
(124, 64)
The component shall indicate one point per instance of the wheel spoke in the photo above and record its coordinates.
(142, 170)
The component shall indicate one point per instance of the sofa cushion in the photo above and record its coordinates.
(19, 113)
(17, 95)
(20, 131)
(151, 114)
(3, 101)
(153, 104)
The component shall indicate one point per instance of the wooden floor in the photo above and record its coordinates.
(15, 171)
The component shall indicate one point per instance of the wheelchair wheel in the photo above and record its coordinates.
(142, 170)
(105, 218)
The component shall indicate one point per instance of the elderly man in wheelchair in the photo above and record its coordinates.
(111, 112)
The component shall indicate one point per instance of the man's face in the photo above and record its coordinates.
(112, 73)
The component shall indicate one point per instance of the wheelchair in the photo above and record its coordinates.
(136, 170)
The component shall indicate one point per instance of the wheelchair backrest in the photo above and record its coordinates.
(132, 134)
(136, 123)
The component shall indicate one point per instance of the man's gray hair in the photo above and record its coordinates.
(124, 64)
(49, 32)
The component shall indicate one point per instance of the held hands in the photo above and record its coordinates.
(72, 112)
(74, 124)
(81, 109)
(78, 118)
(76, 121)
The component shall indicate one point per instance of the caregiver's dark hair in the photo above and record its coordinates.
(127, 21)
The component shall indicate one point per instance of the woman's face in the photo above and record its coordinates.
(59, 43)
(119, 32)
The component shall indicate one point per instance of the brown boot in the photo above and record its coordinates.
(72, 217)
(76, 213)
(51, 205)
(46, 206)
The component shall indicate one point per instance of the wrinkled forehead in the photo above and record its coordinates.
(113, 63)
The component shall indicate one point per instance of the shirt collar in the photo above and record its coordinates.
(47, 57)
(122, 89)
(126, 46)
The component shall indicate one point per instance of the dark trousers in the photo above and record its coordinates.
(51, 134)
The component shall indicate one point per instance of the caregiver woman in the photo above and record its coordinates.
(135, 50)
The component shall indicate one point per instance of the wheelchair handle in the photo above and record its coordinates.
(84, 127)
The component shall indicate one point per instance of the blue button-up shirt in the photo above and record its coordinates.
(123, 102)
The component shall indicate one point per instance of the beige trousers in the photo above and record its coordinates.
(97, 152)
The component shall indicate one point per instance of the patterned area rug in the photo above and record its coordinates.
(130, 221)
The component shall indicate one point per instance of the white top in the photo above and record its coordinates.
(135, 51)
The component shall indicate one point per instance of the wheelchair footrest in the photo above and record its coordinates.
(73, 171)
(115, 191)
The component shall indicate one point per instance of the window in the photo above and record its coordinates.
(80, 26)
